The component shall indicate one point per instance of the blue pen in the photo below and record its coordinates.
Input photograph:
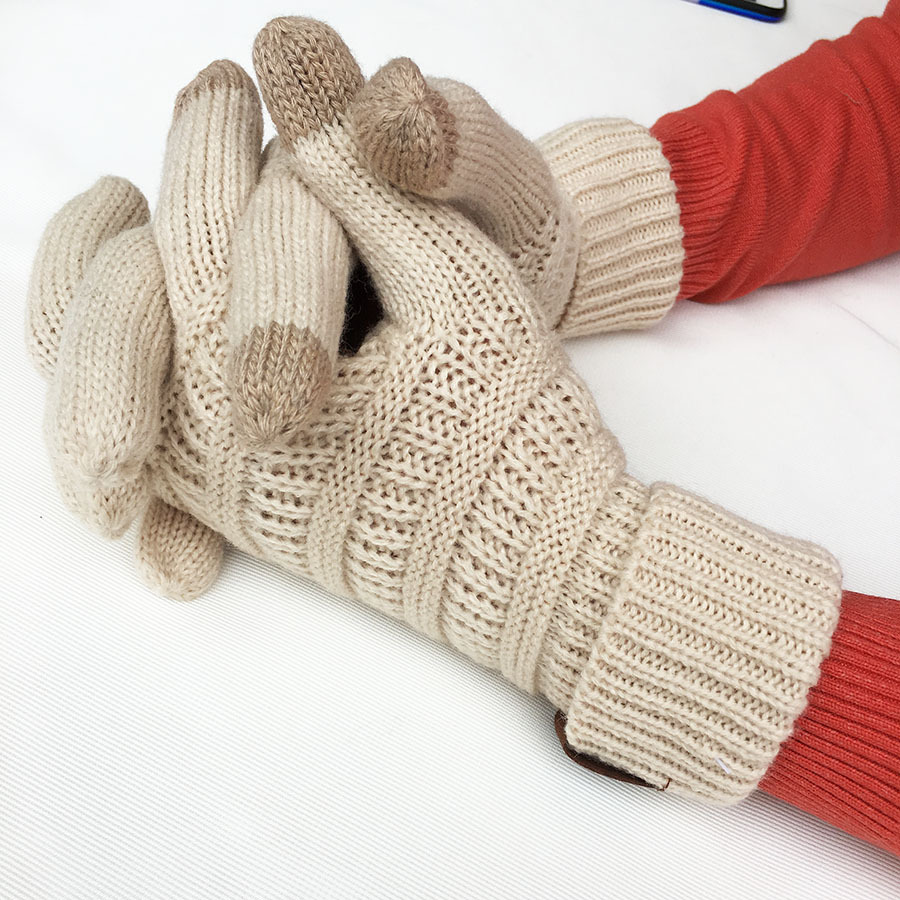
(763, 11)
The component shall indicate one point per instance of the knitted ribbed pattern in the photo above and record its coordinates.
(292, 264)
(589, 590)
(796, 175)
(596, 236)
(704, 198)
(707, 655)
(630, 254)
(842, 760)
(458, 474)
(441, 139)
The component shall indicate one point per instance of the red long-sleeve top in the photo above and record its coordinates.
(798, 175)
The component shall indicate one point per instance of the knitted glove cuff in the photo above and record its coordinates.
(630, 257)
(715, 636)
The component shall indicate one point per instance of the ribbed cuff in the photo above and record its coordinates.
(703, 662)
(842, 761)
(706, 192)
(630, 254)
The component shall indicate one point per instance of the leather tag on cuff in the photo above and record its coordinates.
(592, 763)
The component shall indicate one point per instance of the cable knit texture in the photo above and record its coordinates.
(458, 474)
(630, 255)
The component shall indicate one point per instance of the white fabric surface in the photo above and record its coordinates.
(150, 749)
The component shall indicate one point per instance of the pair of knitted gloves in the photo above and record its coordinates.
(453, 470)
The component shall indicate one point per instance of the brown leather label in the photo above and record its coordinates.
(592, 763)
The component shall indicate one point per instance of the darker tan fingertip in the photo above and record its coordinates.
(405, 129)
(306, 73)
(221, 74)
(280, 377)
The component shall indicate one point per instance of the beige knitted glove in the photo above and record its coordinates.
(587, 214)
(100, 319)
(460, 477)
(458, 474)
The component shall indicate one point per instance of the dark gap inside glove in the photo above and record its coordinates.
(363, 311)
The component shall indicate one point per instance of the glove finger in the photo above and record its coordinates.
(109, 511)
(211, 166)
(430, 264)
(441, 139)
(289, 285)
(69, 243)
(177, 555)
(105, 405)
(308, 79)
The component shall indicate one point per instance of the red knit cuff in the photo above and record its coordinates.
(842, 761)
(705, 192)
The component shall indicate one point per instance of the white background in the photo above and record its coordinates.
(271, 741)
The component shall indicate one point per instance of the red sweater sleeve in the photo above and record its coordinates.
(797, 175)
(842, 761)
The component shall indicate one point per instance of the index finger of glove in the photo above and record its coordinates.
(308, 78)
(211, 166)
(432, 267)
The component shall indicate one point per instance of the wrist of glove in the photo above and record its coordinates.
(711, 638)
(455, 471)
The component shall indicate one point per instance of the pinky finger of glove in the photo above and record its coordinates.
(177, 555)
(70, 241)
(104, 407)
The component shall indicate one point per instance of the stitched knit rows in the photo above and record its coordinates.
(457, 473)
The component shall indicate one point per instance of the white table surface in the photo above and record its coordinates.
(150, 749)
